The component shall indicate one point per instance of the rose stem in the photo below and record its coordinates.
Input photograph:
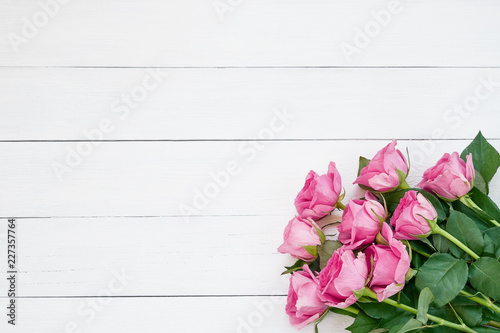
(437, 230)
(493, 323)
(438, 320)
(476, 299)
(351, 310)
(472, 205)
(481, 301)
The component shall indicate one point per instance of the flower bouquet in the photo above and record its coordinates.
(403, 259)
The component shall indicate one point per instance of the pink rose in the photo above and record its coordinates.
(343, 275)
(451, 178)
(320, 194)
(360, 224)
(380, 174)
(303, 303)
(390, 264)
(409, 218)
(298, 233)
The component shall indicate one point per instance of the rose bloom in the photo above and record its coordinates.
(343, 275)
(409, 218)
(360, 224)
(320, 194)
(451, 177)
(380, 174)
(390, 264)
(300, 232)
(303, 304)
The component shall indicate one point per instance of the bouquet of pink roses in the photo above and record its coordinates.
(406, 259)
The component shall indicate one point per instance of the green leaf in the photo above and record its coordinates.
(389, 315)
(417, 260)
(396, 320)
(411, 325)
(490, 315)
(485, 329)
(426, 297)
(480, 183)
(486, 204)
(423, 246)
(441, 243)
(363, 162)
(321, 234)
(326, 250)
(459, 206)
(445, 313)
(314, 266)
(411, 292)
(444, 275)
(401, 175)
(492, 242)
(485, 157)
(466, 231)
(295, 267)
(484, 276)
(470, 312)
(311, 249)
(363, 324)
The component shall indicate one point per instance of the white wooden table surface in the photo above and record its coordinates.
(119, 117)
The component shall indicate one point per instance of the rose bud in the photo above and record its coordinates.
(390, 265)
(343, 275)
(361, 223)
(381, 173)
(320, 194)
(451, 177)
(299, 233)
(411, 215)
(303, 303)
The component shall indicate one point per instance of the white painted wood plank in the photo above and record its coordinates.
(251, 33)
(156, 178)
(224, 255)
(155, 315)
(64, 104)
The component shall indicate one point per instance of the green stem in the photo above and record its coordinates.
(482, 301)
(437, 230)
(438, 320)
(420, 252)
(351, 310)
(494, 324)
(466, 200)
(340, 205)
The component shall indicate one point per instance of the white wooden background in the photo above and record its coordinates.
(223, 70)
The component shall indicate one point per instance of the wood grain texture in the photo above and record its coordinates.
(156, 256)
(219, 104)
(103, 245)
(158, 178)
(190, 314)
(251, 33)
